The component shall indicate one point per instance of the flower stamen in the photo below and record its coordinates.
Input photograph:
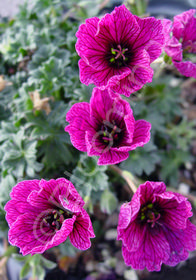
(55, 218)
(149, 214)
(110, 132)
(153, 219)
(118, 53)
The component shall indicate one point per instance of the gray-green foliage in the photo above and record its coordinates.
(34, 266)
(171, 133)
(144, 159)
(20, 156)
(90, 179)
(38, 54)
(92, 183)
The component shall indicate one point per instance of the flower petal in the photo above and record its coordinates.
(151, 36)
(180, 21)
(124, 219)
(186, 68)
(190, 34)
(148, 190)
(88, 46)
(82, 232)
(78, 125)
(181, 241)
(176, 210)
(18, 204)
(102, 78)
(21, 233)
(154, 250)
(120, 26)
(94, 146)
(23, 189)
(165, 240)
(133, 236)
(174, 49)
(52, 193)
(32, 237)
(167, 29)
(14, 208)
(112, 157)
(142, 39)
(139, 74)
(141, 134)
(101, 105)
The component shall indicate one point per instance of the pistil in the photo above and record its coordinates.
(55, 218)
(119, 53)
(149, 214)
(110, 132)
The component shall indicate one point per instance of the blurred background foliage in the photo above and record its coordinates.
(39, 82)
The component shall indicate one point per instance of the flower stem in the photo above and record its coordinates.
(127, 176)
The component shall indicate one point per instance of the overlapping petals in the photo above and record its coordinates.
(155, 228)
(116, 51)
(43, 214)
(106, 127)
(181, 47)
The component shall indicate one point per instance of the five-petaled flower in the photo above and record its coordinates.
(155, 229)
(42, 214)
(181, 47)
(116, 51)
(106, 127)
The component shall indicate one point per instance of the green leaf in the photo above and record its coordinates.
(7, 131)
(10, 251)
(48, 264)
(19, 158)
(6, 185)
(25, 270)
(20, 258)
(34, 260)
(108, 202)
(3, 224)
(171, 160)
(141, 160)
(67, 249)
(182, 134)
(39, 272)
(88, 176)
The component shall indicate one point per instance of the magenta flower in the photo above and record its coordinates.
(106, 127)
(181, 47)
(155, 229)
(116, 51)
(42, 214)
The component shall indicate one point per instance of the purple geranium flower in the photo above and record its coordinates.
(155, 229)
(116, 51)
(42, 214)
(106, 127)
(182, 45)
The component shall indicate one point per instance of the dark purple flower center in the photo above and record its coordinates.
(54, 219)
(110, 133)
(149, 214)
(118, 56)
